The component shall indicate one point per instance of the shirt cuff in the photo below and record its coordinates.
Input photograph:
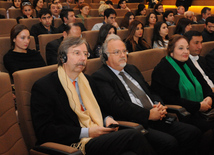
(84, 133)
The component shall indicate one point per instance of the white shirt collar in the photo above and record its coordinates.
(194, 57)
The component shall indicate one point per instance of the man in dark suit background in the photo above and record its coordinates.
(64, 109)
(196, 62)
(121, 101)
(185, 3)
(52, 47)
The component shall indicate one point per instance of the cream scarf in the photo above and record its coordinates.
(92, 115)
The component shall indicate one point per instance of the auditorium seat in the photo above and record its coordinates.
(171, 30)
(3, 12)
(177, 17)
(29, 22)
(142, 19)
(44, 39)
(198, 27)
(57, 22)
(132, 5)
(92, 66)
(91, 37)
(94, 13)
(123, 34)
(5, 4)
(207, 47)
(160, 18)
(148, 34)
(24, 81)
(5, 26)
(94, 5)
(119, 20)
(90, 22)
(5, 46)
(121, 12)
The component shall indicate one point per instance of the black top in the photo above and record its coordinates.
(139, 47)
(165, 82)
(207, 36)
(38, 29)
(14, 61)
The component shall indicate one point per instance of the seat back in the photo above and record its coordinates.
(160, 18)
(94, 5)
(11, 141)
(24, 81)
(119, 20)
(44, 39)
(177, 17)
(5, 4)
(132, 5)
(146, 60)
(14, 13)
(142, 19)
(29, 22)
(90, 22)
(207, 47)
(91, 37)
(5, 46)
(121, 12)
(148, 34)
(123, 34)
(92, 66)
(198, 27)
(57, 22)
(3, 12)
(171, 30)
(6, 26)
(94, 13)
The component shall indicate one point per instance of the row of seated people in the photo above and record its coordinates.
(183, 138)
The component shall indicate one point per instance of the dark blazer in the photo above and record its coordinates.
(52, 117)
(210, 60)
(207, 36)
(116, 101)
(38, 29)
(165, 82)
(203, 64)
(52, 51)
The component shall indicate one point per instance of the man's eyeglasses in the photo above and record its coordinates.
(118, 52)
(26, 3)
(79, 53)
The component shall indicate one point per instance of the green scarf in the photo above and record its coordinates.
(187, 90)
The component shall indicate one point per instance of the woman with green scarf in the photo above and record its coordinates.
(176, 84)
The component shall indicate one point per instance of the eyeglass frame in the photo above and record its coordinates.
(118, 52)
(73, 52)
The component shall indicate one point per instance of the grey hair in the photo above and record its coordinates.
(66, 44)
(104, 48)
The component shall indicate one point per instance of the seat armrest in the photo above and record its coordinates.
(57, 149)
(131, 125)
(178, 110)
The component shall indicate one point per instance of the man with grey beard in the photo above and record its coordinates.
(127, 96)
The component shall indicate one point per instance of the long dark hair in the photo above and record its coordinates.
(140, 8)
(103, 32)
(148, 16)
(120, 2)
(131, 33)
(15, 31)
(156, 34)
(125, 21)
(181, 25)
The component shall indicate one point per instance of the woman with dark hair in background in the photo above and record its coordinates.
(16, 5)
(151, 19)
(141, 11)
(128, 18)
(135, 41)
(122, 5)
(27, 10)
(160, 35)
(104, 31)
(20, 57)
(182, 26)
(38, 4)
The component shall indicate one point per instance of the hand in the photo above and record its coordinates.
(213, 89)
(155, 113)
(194, 18)
(204, 105)
(109, 121)
(209, 100)
(162, 109)
(115, 24)
(98, 131)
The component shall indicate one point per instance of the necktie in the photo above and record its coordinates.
(141, 95)
(74, 83)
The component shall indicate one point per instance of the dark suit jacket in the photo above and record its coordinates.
(210, 60)
(52, 117)
(115, 99)
(203, 65)
(52, 51)
(207, 36)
